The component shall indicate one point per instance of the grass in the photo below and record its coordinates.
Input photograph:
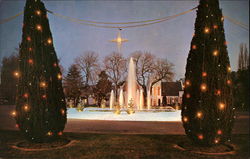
(115, 146)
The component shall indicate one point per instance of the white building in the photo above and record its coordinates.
(167, 93)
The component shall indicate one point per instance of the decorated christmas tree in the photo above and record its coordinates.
(40, 108)
(207, 112)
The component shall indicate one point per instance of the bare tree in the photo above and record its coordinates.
(243, 60)
(89, 65)
(145, 62)
(115, 67)
(163, 70)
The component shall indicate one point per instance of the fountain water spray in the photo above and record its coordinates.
(131, 82)
(141, 99)
(121, 98)
(149, 99)
(111, 99)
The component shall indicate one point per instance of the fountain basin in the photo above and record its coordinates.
(140, 115)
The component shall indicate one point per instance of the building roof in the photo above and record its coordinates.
(171, 88)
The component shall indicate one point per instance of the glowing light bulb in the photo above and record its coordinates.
(59, 76)
(26, 95)
(44, 96)
(203, 87)
(199, 114)
(206, 30)
(43, 84)
(62, 111)
(218, 92)
(13, 113)
(200, 136)
(30, 61)
(222, 18)
(54, 64)
(219, 132)
(16, 74)
(30, 49)
(60, 133)
(49, 133)
(188, 83)
(38, 12)
(188, 95)
(26, 107)
(28, 38)
(221, 106)
(215, 26)
(185, 119)
(194, 47)
(39, 27)
(49, 41)
(229, 69)
(216, 141)
(204, 74)
(17, 126)
(228, 82)
(215, 53)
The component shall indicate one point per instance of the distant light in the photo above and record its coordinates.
(199, 114)
(49, 133)
(219, 132)
(188, 83)
(218, 92)
(28, 38)
(203, 87)
(59, 76)
(38, 12)
(26, 107)
(185, 119)
(221, 106)
(204, 74)
(26, 95)
(30, 61)
(39, 27)
(215, 26)
(215, 53)
(228, 82)
(13, 113)
(43, 84)
(49, 41)
(16, 74)
(200, 136)
(194, 47)
(188, 95)
(229, 69)
(206, 30)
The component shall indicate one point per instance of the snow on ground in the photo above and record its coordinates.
(105, 114)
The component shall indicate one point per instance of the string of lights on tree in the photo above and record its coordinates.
(40, 100)
(209, 29)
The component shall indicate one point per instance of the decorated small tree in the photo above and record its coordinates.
(40, 107)
(207, 112)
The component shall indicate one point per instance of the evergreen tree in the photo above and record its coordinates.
(8, 82)
(103, 87)
(40, 108)
(73, 83)
(207, 111)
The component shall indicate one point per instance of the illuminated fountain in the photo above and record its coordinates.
(141, 100)
(149, 99)
(131, 83)
(112, 100)
(121, 98)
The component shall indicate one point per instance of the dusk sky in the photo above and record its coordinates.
(170, 39)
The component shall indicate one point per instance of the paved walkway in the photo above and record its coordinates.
(7, 122)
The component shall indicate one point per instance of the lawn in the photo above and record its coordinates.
(112, 146)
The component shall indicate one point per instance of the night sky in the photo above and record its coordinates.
(170, 39)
